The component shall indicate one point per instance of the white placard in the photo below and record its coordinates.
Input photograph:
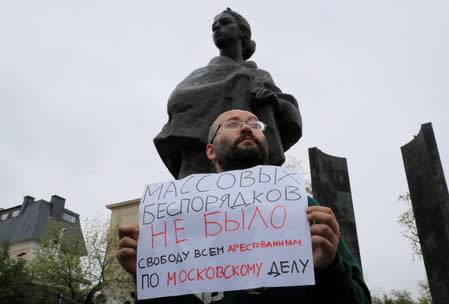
(216, 232)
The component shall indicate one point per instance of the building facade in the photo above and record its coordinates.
(24, 225)
(126, 212)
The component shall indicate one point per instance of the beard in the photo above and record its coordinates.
(232, 156)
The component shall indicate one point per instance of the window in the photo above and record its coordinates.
(4, 216)
(15, 213)
(69, 218)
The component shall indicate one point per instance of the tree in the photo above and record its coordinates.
(101, 266)
(402, 297)
(57, 264)
(410, 232)
(294, 164)
(425, 297)
(15, 279)
(77, 275)
(395, 297)
(407, 221)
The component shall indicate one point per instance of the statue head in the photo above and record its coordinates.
(244, 34)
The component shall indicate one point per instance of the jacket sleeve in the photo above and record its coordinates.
(342, 282)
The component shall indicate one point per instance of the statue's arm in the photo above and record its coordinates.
(289, 120)
(285, 108)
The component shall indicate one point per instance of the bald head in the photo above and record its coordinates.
(225, 116)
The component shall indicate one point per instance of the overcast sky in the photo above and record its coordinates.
(84, 87)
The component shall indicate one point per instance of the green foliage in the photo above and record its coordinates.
(404, 297)
(79, 278)
(15, 279)
(398, 297)
(57, 264)
(425, 297)
(407, 221)
(410, 232)
(100, 265)
(293, 163)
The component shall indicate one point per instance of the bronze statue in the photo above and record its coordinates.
(227, 82)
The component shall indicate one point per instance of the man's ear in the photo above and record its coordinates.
(210, 152)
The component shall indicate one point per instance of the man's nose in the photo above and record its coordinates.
(245, 127)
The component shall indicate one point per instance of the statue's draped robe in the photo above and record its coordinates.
(207, 92)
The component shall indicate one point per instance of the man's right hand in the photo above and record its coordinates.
(127, 247)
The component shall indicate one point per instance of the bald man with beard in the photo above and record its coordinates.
(236, 141)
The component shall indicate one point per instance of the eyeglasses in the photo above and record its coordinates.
(235, 124)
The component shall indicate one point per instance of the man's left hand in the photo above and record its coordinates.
(325, 235)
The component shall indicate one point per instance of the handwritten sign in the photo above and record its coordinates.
(235, 230)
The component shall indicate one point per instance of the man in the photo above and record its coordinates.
(237, 141)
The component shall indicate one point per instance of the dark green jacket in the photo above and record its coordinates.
(340, 283)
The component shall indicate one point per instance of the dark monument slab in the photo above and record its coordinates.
(430, 202)
(330, 186)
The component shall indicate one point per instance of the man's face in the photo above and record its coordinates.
(239, 148)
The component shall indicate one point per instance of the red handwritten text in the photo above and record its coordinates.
(225, 272)
(242, 247)
(217, 222)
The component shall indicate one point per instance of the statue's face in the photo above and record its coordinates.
(225, 30)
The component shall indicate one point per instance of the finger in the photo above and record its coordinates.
(126, 254)
(313, 210)
(326, 219)
(256, 91)
(270, 94)
(127, 242)
(267, 94)
(260, 93)
(130, 230)
(326, 232)
(319, 216)
(324, 244)
(319, 208)
(323, 215)
(127, 257)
